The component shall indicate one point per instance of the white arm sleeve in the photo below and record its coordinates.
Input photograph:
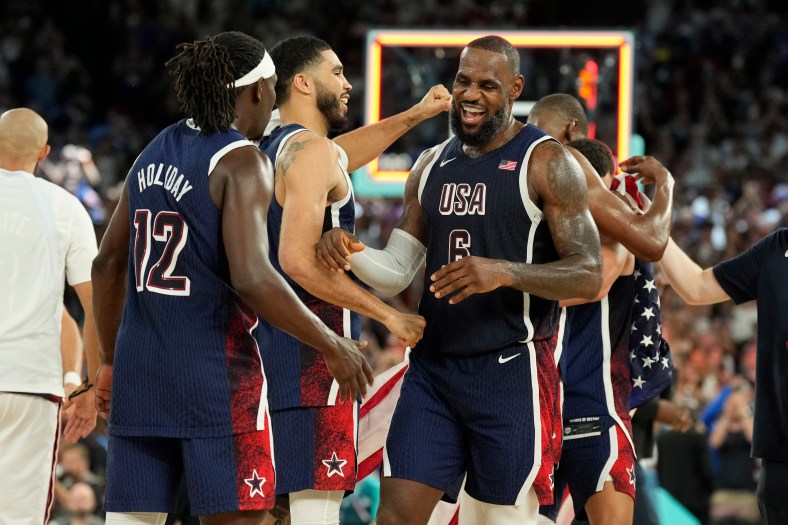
(390, 270)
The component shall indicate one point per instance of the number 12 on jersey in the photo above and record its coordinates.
(170, 228)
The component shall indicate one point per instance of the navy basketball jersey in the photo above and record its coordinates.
(187, 362)
(480, 206)
(595, 363)
(301, 377)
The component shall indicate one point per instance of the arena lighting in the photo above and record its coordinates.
(372, 181)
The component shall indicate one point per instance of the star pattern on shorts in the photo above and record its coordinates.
(255, 484)
(638, 382)
(334, 465)
(631, 472)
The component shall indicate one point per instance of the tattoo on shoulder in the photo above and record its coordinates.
(413, 220)
(288, 157)
(563, 182)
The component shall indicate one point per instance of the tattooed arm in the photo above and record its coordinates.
(646, 235)
(308, 178)
(557, 182)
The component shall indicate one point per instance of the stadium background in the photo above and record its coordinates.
(709, 101)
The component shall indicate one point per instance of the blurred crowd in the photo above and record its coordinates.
(710, 103)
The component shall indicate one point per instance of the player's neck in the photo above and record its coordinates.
(507, 133)
(309, 117)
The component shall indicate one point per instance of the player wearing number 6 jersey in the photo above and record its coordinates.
(502, 210)
(188, 246)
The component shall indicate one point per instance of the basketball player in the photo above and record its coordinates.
(645, 235)
(597, 458)
(757, 274)
(502, 211)
(46, 239)
(186, 248)
(597, 452)
(314, 434)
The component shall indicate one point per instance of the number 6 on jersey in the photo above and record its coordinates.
(459, 245)
(168, 227)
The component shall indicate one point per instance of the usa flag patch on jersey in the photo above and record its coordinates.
(508, 165)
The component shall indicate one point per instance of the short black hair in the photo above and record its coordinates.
(292, 56)
(598, 154)
(563, 107)
(203, 69)
(497, 44)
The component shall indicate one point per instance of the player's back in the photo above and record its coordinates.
(186, 364)
(595, 361)
(481, 207)
(299, 376)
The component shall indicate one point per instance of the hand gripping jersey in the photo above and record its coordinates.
(480, 206)
(187, 362)
(301, 377)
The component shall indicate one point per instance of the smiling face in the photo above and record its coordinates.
(332, 90)
(482, 96)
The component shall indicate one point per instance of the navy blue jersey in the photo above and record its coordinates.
(187, 362)
(761, 273)
(595, 363)
(480, 206)
(300, 376)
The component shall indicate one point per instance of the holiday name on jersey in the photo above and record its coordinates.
(152, 176)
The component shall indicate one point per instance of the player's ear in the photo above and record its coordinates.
(302, 83)
(257, 92)
(571, 128)
(517, 87)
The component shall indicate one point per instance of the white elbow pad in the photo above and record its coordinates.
(390, 270)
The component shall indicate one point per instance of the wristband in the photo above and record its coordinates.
(72, 378)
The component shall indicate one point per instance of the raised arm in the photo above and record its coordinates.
(693, 284)
(364, 144)
(241, 187)
(307, 169)
(556, 180)
(645, 235)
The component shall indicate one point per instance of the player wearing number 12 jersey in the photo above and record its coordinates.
(189, 394)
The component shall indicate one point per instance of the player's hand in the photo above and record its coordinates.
(336, 247)
(646, 169)
(349, 367)
(469, 275)
(436, 101)
(82, 419)
(670, 412)
(103, 388)
(408, 328)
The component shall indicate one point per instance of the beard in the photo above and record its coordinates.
(329, 105)
(486, 131)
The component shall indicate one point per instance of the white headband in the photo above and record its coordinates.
(265, 69)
